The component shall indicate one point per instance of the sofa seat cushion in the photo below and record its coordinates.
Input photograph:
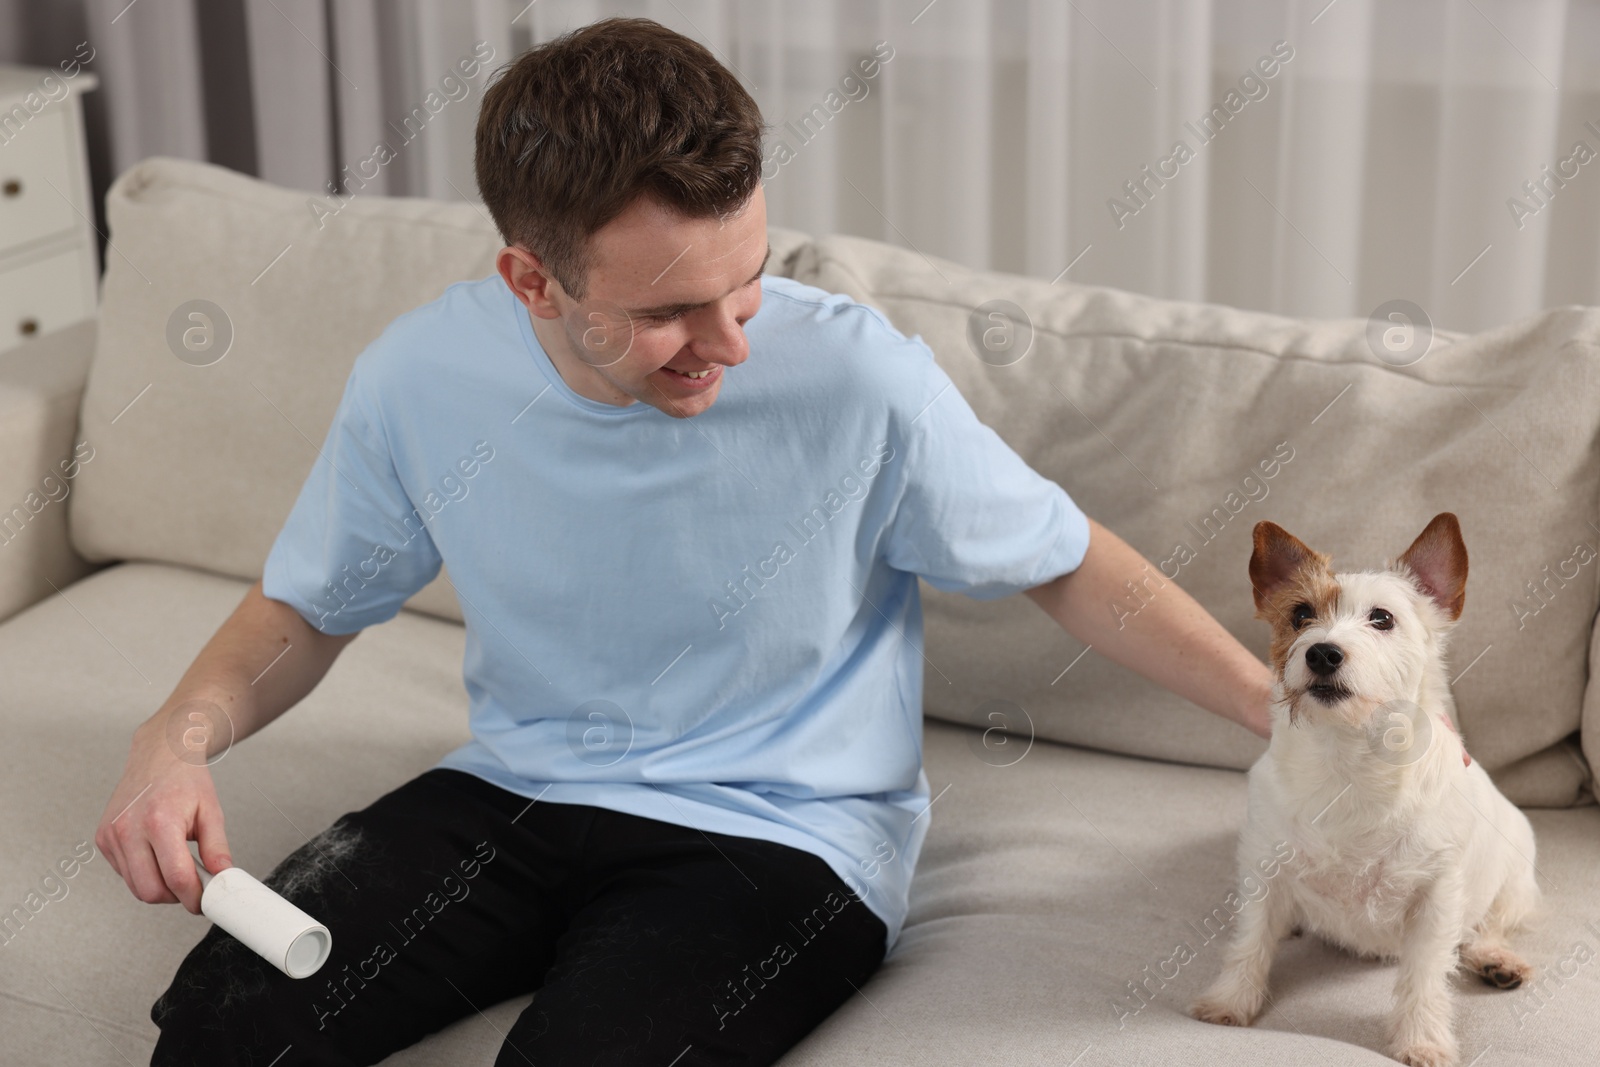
(83, 669)
(1051, 881)
(1044, 887)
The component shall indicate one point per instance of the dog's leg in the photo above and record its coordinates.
(1420, 1027)
(1487, 950)
(1235, 998)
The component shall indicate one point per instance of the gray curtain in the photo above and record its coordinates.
(1424, 150)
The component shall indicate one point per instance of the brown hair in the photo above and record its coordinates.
(574, 129)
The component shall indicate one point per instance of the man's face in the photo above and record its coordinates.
(667, 294)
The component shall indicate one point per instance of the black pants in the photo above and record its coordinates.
(647, 942)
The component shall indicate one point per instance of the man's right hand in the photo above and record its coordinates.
(161, 804)
(258, 664)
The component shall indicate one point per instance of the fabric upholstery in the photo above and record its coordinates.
(1156, 415)
(227, 445)
(1045, 885)
(41, 387)
(1054, 874)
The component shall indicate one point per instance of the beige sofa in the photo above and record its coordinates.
(1068, 859)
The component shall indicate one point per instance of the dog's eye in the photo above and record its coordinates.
(1301, 615)
(1380, 619)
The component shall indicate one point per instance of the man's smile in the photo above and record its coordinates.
(699, 379)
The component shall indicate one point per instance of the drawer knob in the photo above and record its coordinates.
(28, 327)
(12, 187)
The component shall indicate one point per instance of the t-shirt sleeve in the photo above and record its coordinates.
(973, 517)
(354, 547)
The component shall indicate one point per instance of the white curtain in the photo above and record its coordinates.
(1441, 151)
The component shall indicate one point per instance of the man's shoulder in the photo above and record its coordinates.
(837, 311)
(858, 338)
(469, 315)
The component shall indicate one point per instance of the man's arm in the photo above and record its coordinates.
(262, 661)
(1171, 639)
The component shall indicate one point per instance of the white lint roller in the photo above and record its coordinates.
(263, 921)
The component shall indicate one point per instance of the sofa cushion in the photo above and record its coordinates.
(1045, 885)
(83, 669)
(1049, 884)
(41, 388)
(1180, 425)
(200, 464)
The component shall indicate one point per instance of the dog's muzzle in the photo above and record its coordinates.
(1323, 659)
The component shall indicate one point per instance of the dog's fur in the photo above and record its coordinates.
(1408, 855)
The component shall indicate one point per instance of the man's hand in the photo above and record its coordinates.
(262, 661)
(1169, 639)
(160, 804)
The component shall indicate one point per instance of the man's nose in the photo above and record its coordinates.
(725, 342)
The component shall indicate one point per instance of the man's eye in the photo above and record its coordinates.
(1301, 615)
(1380, 619)
(662, 320)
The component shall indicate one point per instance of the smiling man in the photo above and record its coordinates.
(690, 504)
(630, 346)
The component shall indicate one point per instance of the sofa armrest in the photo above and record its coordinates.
(41, 384)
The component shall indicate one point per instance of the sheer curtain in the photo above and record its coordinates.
(1337, 153)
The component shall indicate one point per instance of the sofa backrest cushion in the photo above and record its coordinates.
(1180, 425)
(1161, 418)
(199, 459)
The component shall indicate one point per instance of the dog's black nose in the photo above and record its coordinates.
(1324, 659)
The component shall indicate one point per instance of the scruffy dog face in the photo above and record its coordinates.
(1345, 644)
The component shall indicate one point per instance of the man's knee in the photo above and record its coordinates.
(218, 1008)
(228, 1005)
(219, 976)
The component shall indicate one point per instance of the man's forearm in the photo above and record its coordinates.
(262, 661)
(1161, 631)
(258, 664)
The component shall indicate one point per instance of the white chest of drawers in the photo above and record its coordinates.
(49, 268)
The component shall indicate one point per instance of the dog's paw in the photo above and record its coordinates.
(1499, 967)
(1223, 1013)
(1506, 977)
(1423, 1054)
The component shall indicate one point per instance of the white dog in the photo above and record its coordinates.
(1402, 847)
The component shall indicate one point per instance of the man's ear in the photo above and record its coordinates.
(526, 275)
(1277, 557)
(1437, 560)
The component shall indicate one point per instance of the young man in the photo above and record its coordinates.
(702, 500)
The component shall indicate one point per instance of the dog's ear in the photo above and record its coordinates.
(1438, 561)
(1278, 556)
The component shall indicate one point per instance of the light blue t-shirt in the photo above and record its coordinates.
(713, 621)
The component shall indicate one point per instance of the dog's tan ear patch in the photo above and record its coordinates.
(1279, 557)
(1437, 559)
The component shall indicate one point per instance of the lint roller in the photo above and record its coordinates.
(263, 921)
